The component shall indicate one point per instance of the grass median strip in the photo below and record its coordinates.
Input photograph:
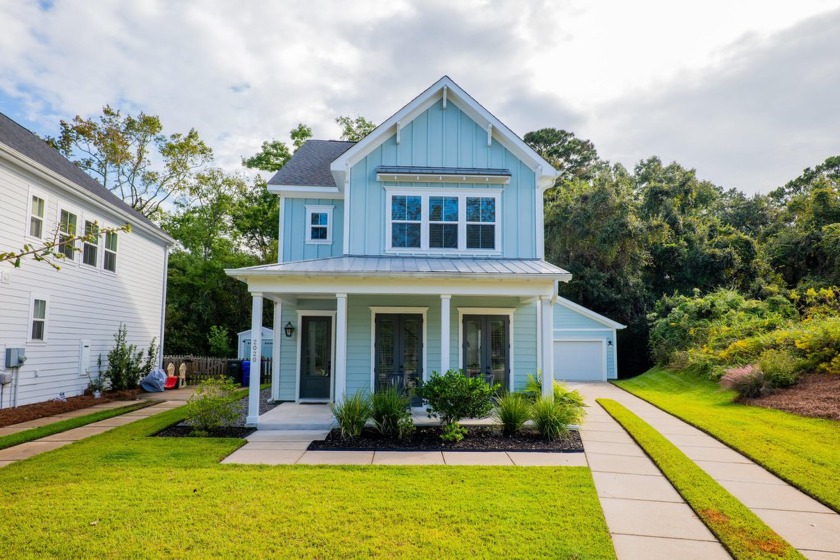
(64, 425)
(739, 530)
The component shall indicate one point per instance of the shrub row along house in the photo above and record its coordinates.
(62, 320)
(419, 248)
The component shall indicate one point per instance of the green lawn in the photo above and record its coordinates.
(64, 425)
(803, 451)
(741, 531)
(121, 494)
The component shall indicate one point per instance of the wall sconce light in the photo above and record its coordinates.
(289, 329)
(609, 343)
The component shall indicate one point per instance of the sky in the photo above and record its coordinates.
(745, 91)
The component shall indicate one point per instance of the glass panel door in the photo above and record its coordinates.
(486, 347)
(399, 351)
(315, 357)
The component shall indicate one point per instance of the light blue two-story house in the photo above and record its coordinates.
(419, 249)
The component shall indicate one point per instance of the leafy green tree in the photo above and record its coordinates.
(573, 157)
(354, 129)
(219, 341)
(132, 157)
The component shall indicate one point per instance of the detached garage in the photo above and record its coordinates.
(584, 344)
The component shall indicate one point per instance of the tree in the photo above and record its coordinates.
(55, 250)
(354, 129)
(132, 157)
(571, 156)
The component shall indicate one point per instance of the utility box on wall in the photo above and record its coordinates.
(15, 357)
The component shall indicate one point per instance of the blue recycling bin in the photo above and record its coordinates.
(246, 373)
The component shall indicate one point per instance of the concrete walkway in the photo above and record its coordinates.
(32, 448)
(805, 523)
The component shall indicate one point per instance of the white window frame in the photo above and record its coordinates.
(461, 195)
(319, 209)
(75, 259)
(46, 299)
(43, 196)
(97, 244)
(105, 249)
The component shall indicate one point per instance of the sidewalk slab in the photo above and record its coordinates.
(529, 459)
(76, 434)
(336, 458)
(264, 457)
(277, 445)
(477, 458)
(720, 454)
(600, 462)
(635, 487)
(758, 495)
(739, 472)
(29, 449)
(114, 422)
(408, 458)
(605, 448)
(805, 530)
(606, 437)
(287, 435)
(654, 519)
(638, 547)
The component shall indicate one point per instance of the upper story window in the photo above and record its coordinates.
(319, 224)
(67, 228)
(465, 221)
(36, 217)
(91, 247)
(110, 260)
(39, 320)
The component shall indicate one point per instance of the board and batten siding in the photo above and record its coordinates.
(447, 138)
(295, 246)
(571, 325)
(84, 303)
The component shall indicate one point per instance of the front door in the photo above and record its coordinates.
(315, 357)
(399, 351)
(486, 347)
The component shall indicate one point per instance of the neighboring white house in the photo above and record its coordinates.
(244, 343)
(63, 320)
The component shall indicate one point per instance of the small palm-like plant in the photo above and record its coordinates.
(388, 407)
(351, 414)
(511, 410)
(552, 417)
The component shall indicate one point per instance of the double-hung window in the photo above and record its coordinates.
(319, 224)
(39, 320)
(110, 260)
(91, 246)
(464, 221)
(67, 230)
(36, 217)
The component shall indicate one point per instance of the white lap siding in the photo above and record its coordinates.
(84, 303)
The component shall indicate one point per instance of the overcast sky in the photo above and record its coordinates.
(745, 91)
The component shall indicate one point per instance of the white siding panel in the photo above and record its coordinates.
(84, 303)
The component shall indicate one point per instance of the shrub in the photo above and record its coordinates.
(219, 342)
(781, 369)
(453, 396)
(126, 364)
(533, 390)
(512, 410)
(748, 381)
(405, 427)
(552, 417)
(453, 433)
(351, 414)
(212, 406)
(388, 407)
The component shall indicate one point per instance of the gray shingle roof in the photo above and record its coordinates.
(310, 165)
(389, 266)
(22, 140)
(413, 169)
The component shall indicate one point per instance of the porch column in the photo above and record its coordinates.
(444, 332)
(275, 351)
(340, 347)
(547, 338)
(256, 354)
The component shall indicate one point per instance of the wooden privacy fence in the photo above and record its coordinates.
(199, 368)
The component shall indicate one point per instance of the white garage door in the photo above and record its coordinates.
(579, 360)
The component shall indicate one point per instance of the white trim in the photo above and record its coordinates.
(45, 297)
(314, 313)
(281, 224)
(346, 217)
(34, 191)
(539, 225)
(304, 191)
(462, 195)
(445, 332)
(539, 335)
(509, 311)
(605, 329)
(75, 211)
(377, 310)
(588, 313)
(547, 323)
(100, 245)
(163, 307)
(603, 342)
(444, 178)
(276, 341)
(311, 209)
(456, 95)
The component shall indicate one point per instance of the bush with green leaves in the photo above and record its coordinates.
(552, 417)
(352, 413)
(388, 407)
(511, 410)
(219, 342)
(454, 396)
(453, 433)
(126, 364)
(212, 406)
(533, 390)
(780, 367)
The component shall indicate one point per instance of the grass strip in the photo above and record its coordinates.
(805, 452)
(740, 530)
(64, 425)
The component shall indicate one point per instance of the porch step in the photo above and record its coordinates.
(297, 416)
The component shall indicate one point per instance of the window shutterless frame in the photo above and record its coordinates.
(36, 225)
(319, 224)
(90, 249)
(38, 317)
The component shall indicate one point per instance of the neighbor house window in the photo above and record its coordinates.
(319, 224)
(36, 217)
(91, 246)
(465, 221)
(39, 319)
(66, 229)
(110, 261)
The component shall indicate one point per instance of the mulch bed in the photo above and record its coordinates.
(816, 395)
(226, 432)
(27, 412)
(480, 438)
